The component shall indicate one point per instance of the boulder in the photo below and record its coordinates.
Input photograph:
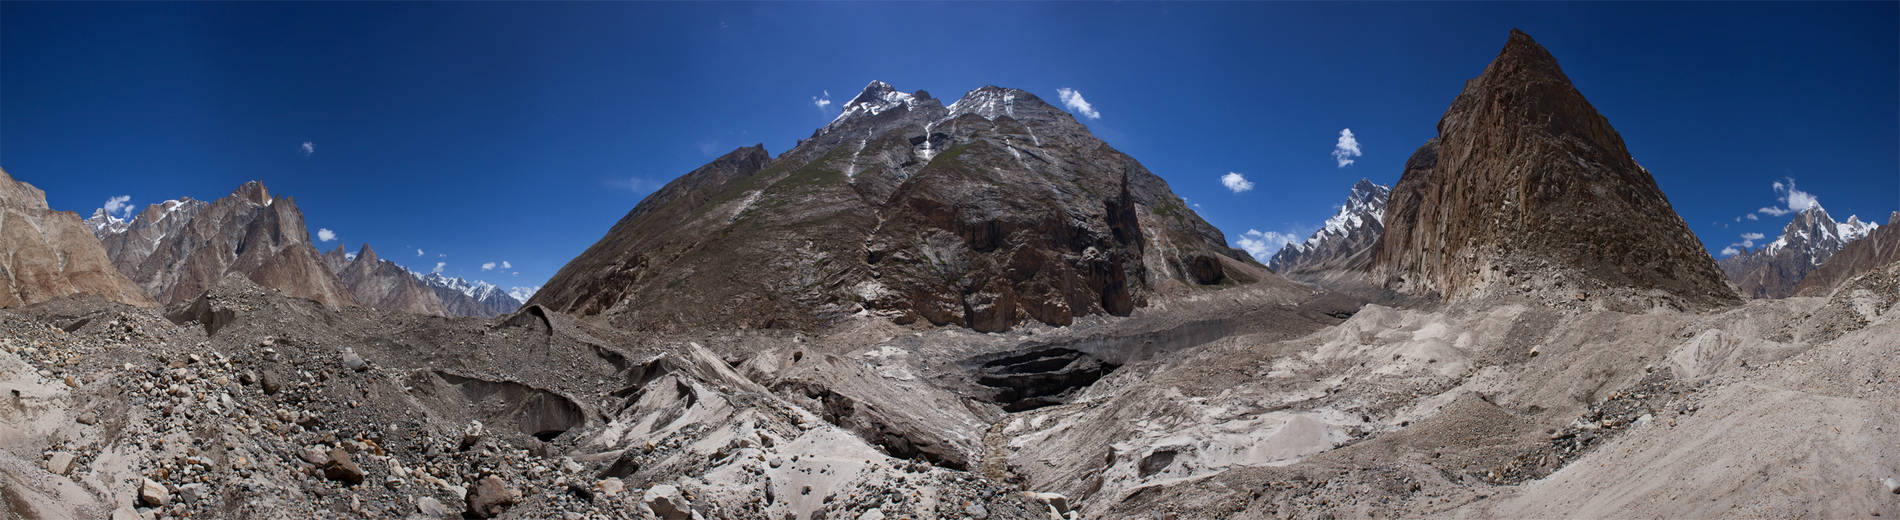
(340, 468)
(489, 497)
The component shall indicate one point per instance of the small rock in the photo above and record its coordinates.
(611, 486)
(1055, 500)
(1893, 486)
(872, 514)
(126, 513)
(490, 497)
(432, 508)
(89, 418)
(355, 362)
(313, 456)
(472, 434)
(153, 494)
(60, 463)
(976, 511)
(269, 383)
(340, 468)
(667, 503)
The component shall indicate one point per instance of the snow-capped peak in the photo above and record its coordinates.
(988, 102)
(477, 289)
(876, 98)
(1365, 202)
(103, 223)
(1853, 229)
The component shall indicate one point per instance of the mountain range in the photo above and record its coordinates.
(1805, 244)
(177, 249)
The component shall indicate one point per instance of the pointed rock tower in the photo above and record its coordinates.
(1528, 191)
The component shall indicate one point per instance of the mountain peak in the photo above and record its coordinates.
(365, 254)
(1537, 195)
(1523, 53)
(253, 191)
(1346, 241)
(877, 93)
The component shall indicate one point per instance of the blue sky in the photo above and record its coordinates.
(490, 132)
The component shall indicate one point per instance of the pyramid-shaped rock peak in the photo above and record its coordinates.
(365, 254)
(1528, 191)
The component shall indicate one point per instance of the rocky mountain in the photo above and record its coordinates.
(382, 284)
(985, 213)
(338, 259)
(1527, 190)
(46, 254)
(177, 249)
(1347, 241)
(1805, 244)
(1880, 247)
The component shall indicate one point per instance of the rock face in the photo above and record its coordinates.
(46, 254)
(994, 210)
(381, 284)
(1527, 190)
(1348, 240)
(1805, 244)
(178, 249)
(1880, 247)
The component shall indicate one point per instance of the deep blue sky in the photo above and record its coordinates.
(521, 132)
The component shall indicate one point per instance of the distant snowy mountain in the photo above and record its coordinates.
(1809, 239)
(522, 294)
(466, 298)
(1346, 241)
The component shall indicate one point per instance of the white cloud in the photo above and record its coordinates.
(120, 205)
(1750, 216)
(1346, 149)
(1792, 199)
(1748, 241)
(308, 148)
(1073, 99)
(821, 102)
(325, 235)
(441, 255)
(1236, 182)
(523, 293)
(506, 265)
(488, 266)
(637, 185)
(418, 252)
(439, 266)
(1263, 244)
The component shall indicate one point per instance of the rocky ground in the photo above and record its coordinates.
(1272, 401)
